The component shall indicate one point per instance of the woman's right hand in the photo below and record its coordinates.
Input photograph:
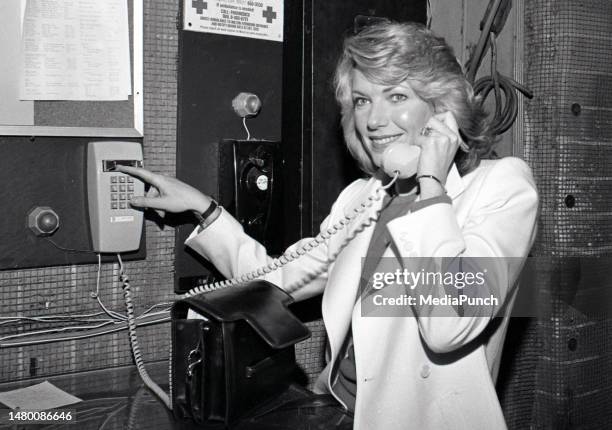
(166, 193)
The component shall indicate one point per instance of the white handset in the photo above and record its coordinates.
(402, 159)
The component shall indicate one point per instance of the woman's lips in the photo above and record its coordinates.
(380, 143)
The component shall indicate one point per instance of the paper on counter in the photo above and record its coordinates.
(193, 315)
(37, 397)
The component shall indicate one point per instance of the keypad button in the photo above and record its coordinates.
(130, 179)
(130, 196)
(113, 188)
(114, 196)
(122, 179)
(122, 205)
(122, 196)
(122, 188)
(114, 205)
(113, 179)
(130, 187)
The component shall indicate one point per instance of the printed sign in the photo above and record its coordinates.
(246, 18)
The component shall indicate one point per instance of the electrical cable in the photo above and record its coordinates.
(503, 118)
(65, 318)
(56, 316)
(12, 320)
(54, 330)
(506, 107)
(43, 336)
(246, 128)
(168, 304)
(96, 295)
(117, 326)
(72, 250)
(481, 46)
(93, 329)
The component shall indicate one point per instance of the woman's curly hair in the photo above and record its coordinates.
(388, 53)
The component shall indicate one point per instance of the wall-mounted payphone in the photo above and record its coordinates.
(48, 222)
(115, 225)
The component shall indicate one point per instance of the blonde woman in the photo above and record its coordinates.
(398, 84)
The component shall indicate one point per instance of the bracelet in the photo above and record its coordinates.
(207, 217)
(434, 178)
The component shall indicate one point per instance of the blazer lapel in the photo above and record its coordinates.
(341, 291)
(454, 183)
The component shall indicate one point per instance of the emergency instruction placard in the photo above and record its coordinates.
(247, 18)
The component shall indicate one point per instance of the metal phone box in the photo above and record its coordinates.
(115, 226)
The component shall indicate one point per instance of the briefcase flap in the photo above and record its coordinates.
(261, 304)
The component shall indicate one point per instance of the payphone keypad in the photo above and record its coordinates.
(121, 191)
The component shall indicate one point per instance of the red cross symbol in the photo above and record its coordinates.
(199, 6)
(269, 14)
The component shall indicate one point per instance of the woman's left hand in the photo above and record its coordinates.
(439, 143)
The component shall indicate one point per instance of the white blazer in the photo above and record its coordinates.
(411, 372)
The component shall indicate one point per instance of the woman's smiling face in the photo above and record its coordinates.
(386, 114)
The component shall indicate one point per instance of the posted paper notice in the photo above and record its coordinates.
(75, 50)
(245, 18)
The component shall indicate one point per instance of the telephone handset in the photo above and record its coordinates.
(115, 226)
(402, 159)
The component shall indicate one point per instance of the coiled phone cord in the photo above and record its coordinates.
(131, 320)
(289, 256)
(274, 265)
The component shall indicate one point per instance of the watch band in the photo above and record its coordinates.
(207, 217)
(208, 212)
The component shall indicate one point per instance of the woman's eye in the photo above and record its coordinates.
(395, 98)
(359, 101)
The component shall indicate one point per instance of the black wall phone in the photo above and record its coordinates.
(255, 187)
(245, 181)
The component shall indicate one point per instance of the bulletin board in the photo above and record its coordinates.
(122, 118)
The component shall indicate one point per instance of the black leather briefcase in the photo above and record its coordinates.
(240, 355)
